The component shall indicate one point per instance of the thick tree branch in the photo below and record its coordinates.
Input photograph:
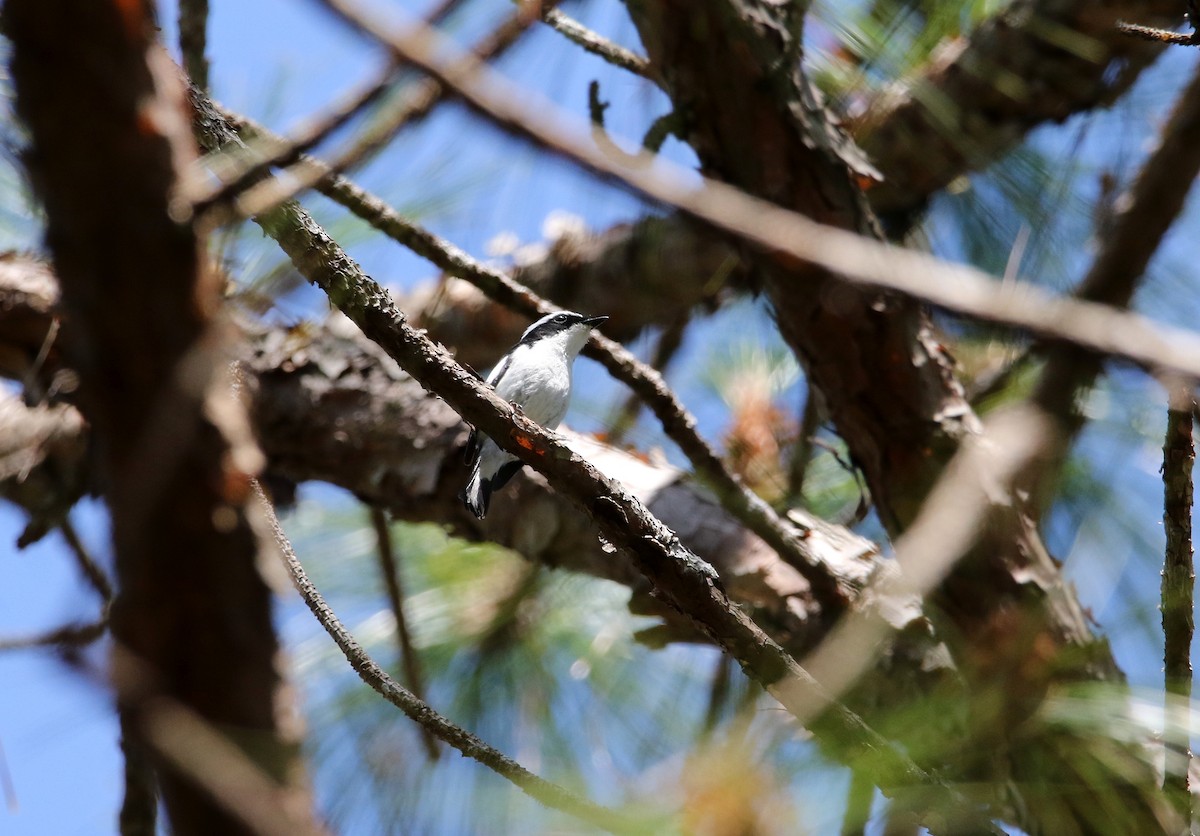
(328, 406)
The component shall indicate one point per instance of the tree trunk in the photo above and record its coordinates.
(192, 618)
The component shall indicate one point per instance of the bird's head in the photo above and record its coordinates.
(567, 329)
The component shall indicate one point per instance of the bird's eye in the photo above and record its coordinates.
(560, 318)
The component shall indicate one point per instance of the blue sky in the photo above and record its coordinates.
(279, 61)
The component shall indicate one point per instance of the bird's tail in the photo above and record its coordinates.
(477, 494)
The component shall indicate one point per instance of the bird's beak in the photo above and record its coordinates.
(593, 321)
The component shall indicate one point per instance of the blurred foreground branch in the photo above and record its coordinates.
(1178, 587)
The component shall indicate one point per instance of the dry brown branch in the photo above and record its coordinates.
(1162, 36)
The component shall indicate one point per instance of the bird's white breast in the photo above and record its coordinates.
(539, 381)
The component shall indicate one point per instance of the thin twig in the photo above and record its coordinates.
(240, 173)
(139, 804)
(1162, 36)
(810, 422)
(193, 40)
(1178, 584)
(92, 570)
(958, 288)
(77, 634)
(538, 788)
(859, 796)
(408, 653)
(596, 44)
(669, 342)
(70, 635)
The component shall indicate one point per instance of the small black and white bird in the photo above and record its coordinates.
(536, 376)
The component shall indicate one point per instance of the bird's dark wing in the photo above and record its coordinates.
(475, 439)
(502, 476)
(474, 446)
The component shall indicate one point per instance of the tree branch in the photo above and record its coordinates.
(541, 790)
(955, 95)
(578, 34)
(956, 115)
(193, 40)
(238, 172)
(1178, 586)
(956, 288)
(1147, 211)
(408, 654)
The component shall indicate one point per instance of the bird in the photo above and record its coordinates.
(534, 375)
